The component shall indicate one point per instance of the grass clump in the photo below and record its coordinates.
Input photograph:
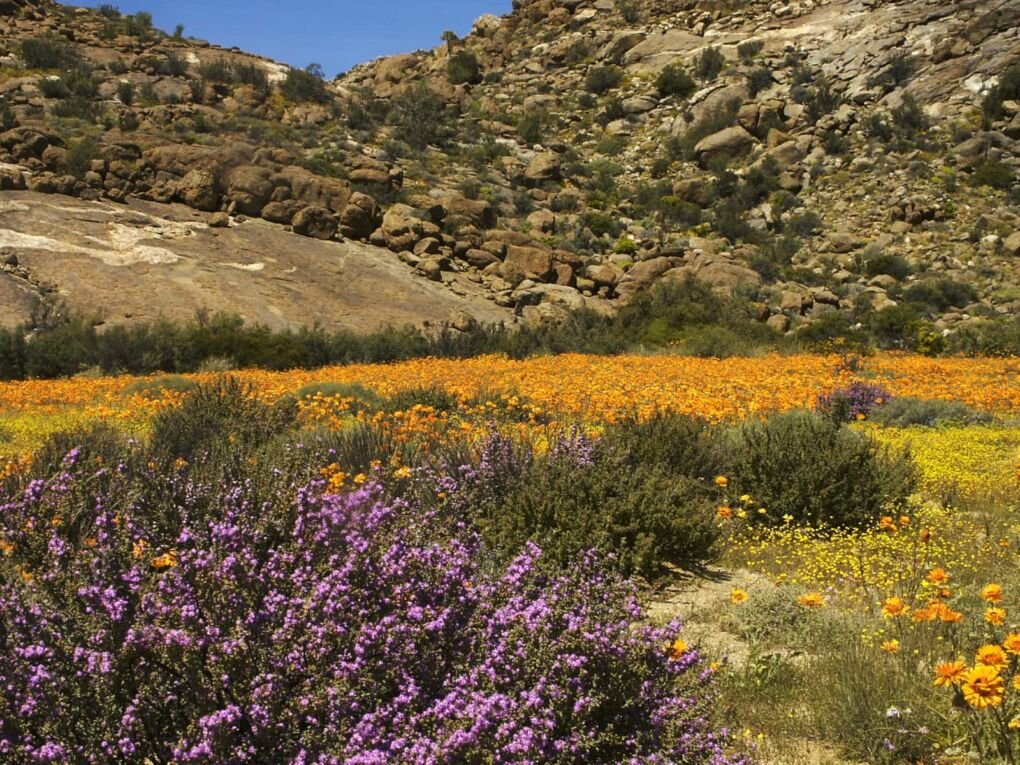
(902, 412)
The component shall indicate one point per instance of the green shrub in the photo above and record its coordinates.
(600, 79)
(818, 472)
(463, 68)
(886, 263)
(420, 117)
(941, 294)
(80, 155)
(216, 70)
(138, 24)
(126, 93)
(674, 80)
(433, 396)
(158, 387)
(584, 496)
(54, 87)
(223, 415)
(173, 65)
(303, 85)
(904, 411)
(758, 80)
(47, 53)
(8, 119)
(94, 443)
(709, 64)
(680, 444)
(748, 50)
(992, 173)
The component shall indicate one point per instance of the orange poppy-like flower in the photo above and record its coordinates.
(945, 614)
(812, 600)
(1012, 644)
(891, 646)
(6, 548)
(982, 687)
(886, 523)
(724, 511)
(991, 592)
(677, 648)
(992, 655)
(138, 548)
(995, 616)
(90, 541)
(904, 520)
(894, 607)
(950, 673)
(924, 535)
(722, 481)
(738, 596)
(166, 560)
(926, 614)
(938, 577)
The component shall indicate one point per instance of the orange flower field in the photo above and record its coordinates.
(592, 387)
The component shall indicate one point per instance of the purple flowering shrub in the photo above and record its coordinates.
(854, 402)
(317, 628)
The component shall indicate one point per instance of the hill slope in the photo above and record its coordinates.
(823, 159)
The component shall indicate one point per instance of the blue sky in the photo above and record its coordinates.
(336, 34)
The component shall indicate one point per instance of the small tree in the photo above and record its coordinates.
(674, 81)
(419, 115)
(602, 78)
(305, 84)
(463, 68)
(709, 64)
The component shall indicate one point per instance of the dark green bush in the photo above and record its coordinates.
(216, 70)
(420, 117)
(680, 444)
(817, 471)
(674, 80)
(7, 117)
(941, 294)
(992, 173)
(126, 93)
(531, 127)
(904, 411)
(463, 67)
(303, 85)
(599, 79)
(569, 503)
(758, 80)
(709, 64)
(217, 416)
(748, 50)
(158, 387)
(886, 263)
(47, 53)
(433, 396)
(80, 155)
(173, 65)
(95, 443)
(53, 87)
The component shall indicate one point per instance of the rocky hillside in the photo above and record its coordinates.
(826, 160)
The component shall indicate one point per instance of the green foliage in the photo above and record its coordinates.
(7, 117)
(47, 53)
(433, 396)
(941, 294)
(748, 50)
(904, 411)
(463, 67)
(709, 64)
(569, 502)
(900, 69)
(173, 65)
(819, 472)
(600, 79)
(420, 117)
(895, 266)
(720, 117)
(80, 155)
(758, 80)
(819, 98)
(674, 80)
(138, 24)
(158, 387)
(305, 85)
(531, 126)
(126, 93)
(216, 416)
(216, 70)
(992, 173)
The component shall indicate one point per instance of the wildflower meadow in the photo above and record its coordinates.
(570, 559)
